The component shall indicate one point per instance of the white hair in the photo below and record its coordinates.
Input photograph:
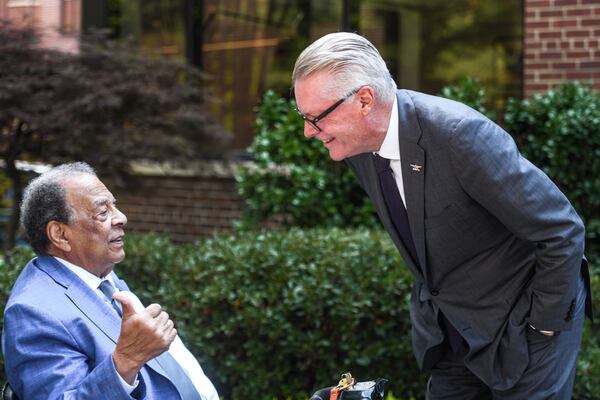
(352, 60)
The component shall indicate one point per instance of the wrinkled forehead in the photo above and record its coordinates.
(314, 91)
(85, 190)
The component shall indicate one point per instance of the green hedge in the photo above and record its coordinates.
(294, 178)
(282, 313)
(558, 131)
(279, 314)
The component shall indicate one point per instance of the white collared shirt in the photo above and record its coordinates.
(390, 149)
(180, 353)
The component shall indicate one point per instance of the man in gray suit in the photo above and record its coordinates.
(498, 303)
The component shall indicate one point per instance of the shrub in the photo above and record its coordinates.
(470, 92)
(294, 178)
(559, 132)
(276, 315)
(280, 314)
(11, 265)
(587, 383)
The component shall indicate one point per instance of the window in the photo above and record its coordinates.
(23, 3)
(249, 46)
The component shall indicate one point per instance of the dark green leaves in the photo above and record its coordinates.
(294, 179)
(558, 131)
(279, 314)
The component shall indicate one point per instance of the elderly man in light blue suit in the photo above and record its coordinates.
(72, 329)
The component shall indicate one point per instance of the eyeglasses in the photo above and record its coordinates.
(313, 122)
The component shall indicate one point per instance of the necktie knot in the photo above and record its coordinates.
(108, 289)
(381, 164)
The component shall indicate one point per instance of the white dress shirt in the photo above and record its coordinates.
(390, 149)
(180, 353)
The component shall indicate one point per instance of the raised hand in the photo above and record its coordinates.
(144, 335)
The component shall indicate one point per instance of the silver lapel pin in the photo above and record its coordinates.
(416, 167)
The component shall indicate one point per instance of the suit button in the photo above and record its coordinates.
(435, 292)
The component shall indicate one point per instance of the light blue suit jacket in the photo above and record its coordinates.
(58, 338)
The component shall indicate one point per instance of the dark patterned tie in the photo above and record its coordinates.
(394, 204)
(172, 369)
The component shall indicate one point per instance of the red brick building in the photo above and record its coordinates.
(58, 20)
(561, 43)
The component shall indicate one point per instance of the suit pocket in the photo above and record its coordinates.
(540, 347)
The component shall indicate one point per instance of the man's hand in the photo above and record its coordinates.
(144, 335)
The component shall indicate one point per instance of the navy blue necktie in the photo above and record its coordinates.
(394, 204)
(399, 217)
(175, 373)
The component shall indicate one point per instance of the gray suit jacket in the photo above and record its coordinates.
(499, 245)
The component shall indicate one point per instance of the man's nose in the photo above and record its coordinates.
(309, 130)
(119, 218)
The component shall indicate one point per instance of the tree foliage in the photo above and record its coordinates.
(108, 104)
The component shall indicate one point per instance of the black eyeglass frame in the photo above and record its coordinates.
(313, 122)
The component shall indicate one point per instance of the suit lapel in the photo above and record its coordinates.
(414, 186)
(88, 302)
(83, 297)
(413, 172)
(95, 309)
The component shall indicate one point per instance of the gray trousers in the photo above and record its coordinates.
(549, 375)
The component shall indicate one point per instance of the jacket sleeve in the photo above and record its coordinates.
(44, 361)
(493, 172)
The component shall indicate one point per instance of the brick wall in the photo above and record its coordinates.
(57, 20)
(52, 23)
(23, 13)
(185, 205)
(561, 43)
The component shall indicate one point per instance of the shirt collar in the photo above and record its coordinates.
(90, 279)
(390, 147)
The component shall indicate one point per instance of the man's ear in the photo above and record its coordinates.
(57, 234)
(366, 98)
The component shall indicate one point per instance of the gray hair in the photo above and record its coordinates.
(352, 59)
(44, 200)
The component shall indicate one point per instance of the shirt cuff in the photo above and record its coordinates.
(547, 333)
(126, 386)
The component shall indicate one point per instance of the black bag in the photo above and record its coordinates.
(370, 390)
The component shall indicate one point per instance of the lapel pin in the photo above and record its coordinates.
(416, 167)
